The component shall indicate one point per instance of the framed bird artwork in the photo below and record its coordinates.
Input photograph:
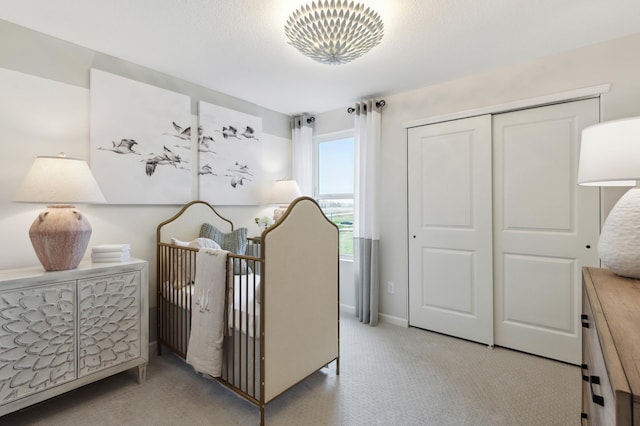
(229, 151)
(141, 144)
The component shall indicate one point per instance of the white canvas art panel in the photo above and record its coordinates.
(140, 141)
(229, 149)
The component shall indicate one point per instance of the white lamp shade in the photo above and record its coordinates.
(284, 192)
(59, 180)
(610, 154)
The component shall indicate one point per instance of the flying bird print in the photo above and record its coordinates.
(183, 133)
(229, 132)
(167, 157)
(206, 170)
(249, 133)
(237, 179)
(124, 147)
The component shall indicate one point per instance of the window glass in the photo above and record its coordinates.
(334, 176)
(340, 212)
(335, 166)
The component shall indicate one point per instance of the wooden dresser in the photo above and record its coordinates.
(610, 349)
(61, 330)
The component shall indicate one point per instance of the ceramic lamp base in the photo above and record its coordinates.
(60, 236)
(619, 244)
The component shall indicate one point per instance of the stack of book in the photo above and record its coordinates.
(107, 253)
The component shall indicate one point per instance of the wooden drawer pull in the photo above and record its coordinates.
(585, 372)
(597, 399)
(585, 320)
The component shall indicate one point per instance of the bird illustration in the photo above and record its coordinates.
(229, 132)
(204, 144)
(249, 133)
(243, 169)
(167, 157)
(181, 133)
(237, 180)
(124, 147)
(206, 170)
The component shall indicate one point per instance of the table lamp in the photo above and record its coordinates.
(60, 234)
(284, 191)
(610, 156)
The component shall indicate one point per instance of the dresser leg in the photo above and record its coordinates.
(142, 373)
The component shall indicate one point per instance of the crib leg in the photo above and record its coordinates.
(261, 414)
(338, 366)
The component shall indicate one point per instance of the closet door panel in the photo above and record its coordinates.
(450, 275)
(545, 228)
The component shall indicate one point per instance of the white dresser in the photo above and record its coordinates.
(61, 330)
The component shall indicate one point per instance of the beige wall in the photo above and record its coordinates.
(615, 62)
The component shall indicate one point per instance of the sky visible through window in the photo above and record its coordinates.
(335, 167)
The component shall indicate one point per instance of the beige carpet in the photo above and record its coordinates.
(388, 376)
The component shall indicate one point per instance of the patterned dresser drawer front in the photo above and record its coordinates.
(109, 324)
(36, 339)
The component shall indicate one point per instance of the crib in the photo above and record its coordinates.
(281, 307)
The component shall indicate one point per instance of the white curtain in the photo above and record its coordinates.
(302, 153)
(366, 208)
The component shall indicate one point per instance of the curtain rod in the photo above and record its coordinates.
(309, 120)
(379, 104)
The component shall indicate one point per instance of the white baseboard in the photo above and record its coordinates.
(347, 309)
(389, 319)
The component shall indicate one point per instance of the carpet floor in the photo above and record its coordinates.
(388, 376)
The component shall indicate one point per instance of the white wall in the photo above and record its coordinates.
(44, 109)
(44, 117)
(614, 62)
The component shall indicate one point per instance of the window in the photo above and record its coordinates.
(333, 183)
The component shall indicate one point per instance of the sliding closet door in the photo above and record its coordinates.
(450, 265)
(545, 228)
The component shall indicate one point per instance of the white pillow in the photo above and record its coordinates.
(200, 242)
(204, 243)
(177, 242)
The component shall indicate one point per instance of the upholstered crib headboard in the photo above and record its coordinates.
(185, 225)
(300, 287)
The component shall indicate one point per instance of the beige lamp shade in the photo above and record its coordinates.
(59, 180)
(610, 156)
(60, 234)
(283, 193)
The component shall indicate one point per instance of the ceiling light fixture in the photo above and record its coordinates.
(334, 32)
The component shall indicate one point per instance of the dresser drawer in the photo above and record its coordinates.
(597, 390)
(611, 338)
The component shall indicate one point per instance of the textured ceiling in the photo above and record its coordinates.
(238, 47)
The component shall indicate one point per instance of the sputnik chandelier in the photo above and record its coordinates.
(334, 32)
